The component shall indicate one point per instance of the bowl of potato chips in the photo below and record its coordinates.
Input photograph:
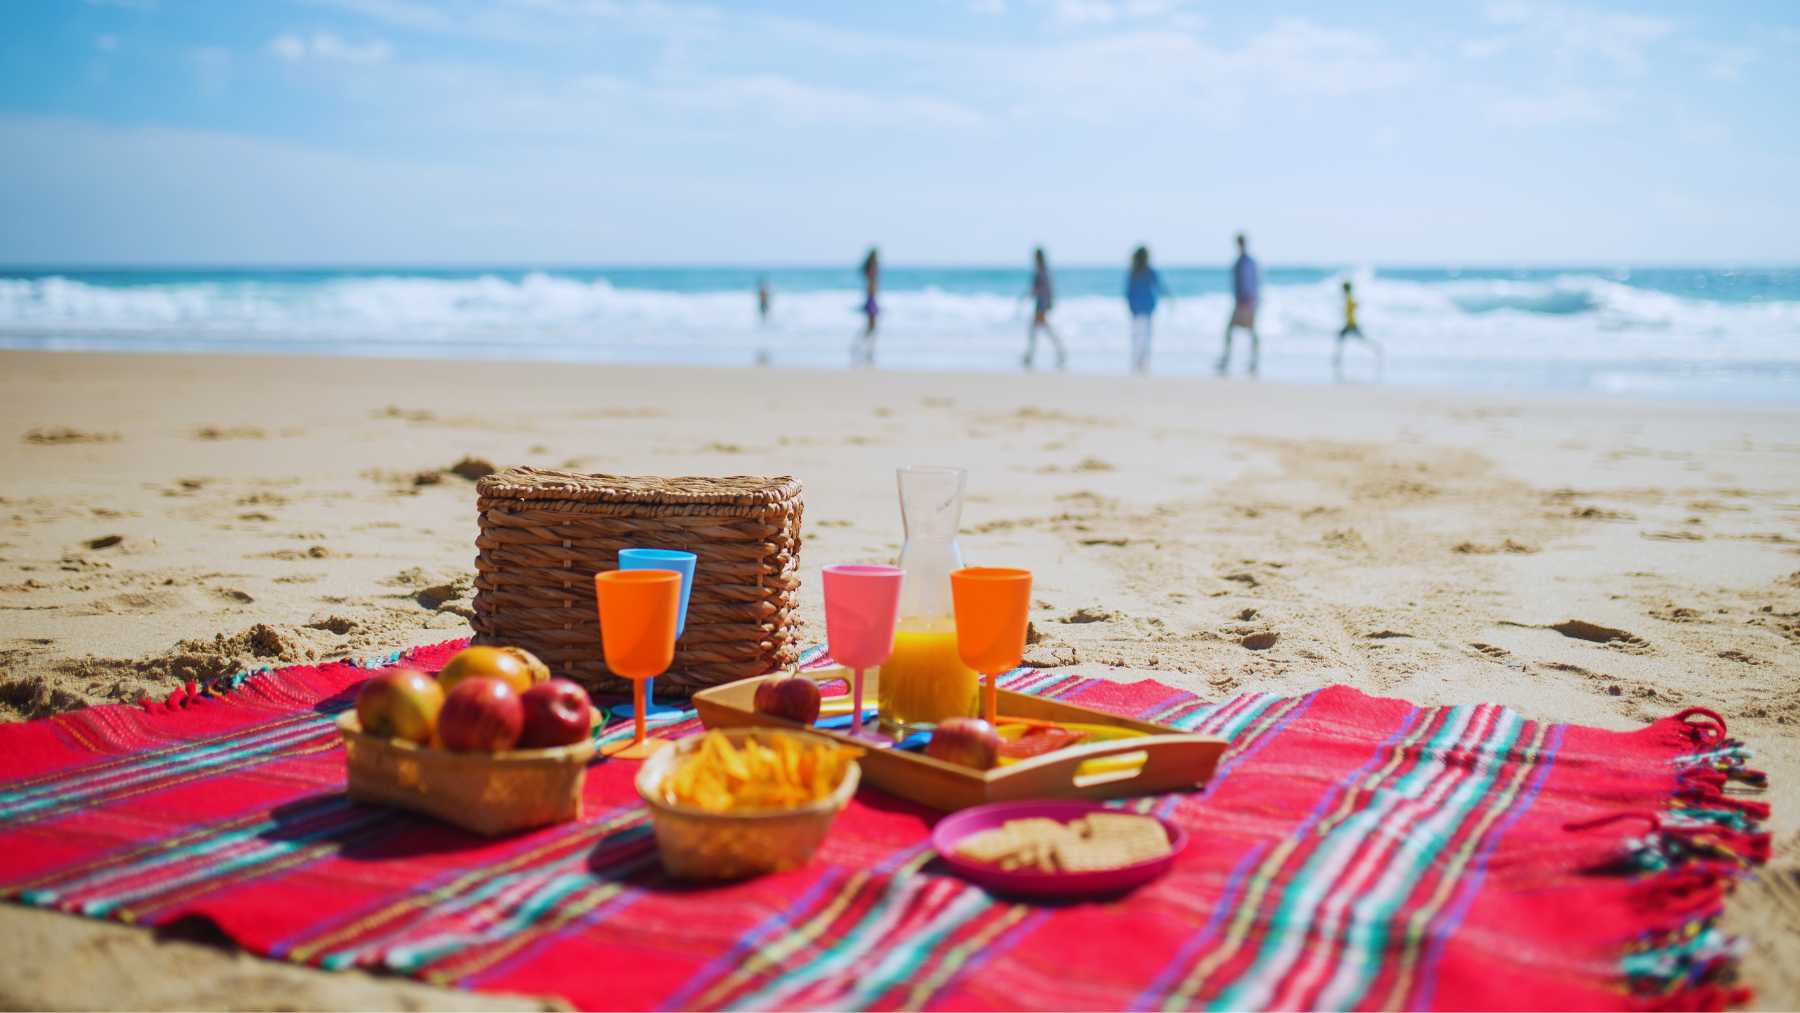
(741, 802)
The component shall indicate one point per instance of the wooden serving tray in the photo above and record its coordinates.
(1172, 760)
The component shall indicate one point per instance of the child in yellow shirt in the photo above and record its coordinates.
(1351, 330)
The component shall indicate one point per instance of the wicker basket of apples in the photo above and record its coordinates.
(492, 744)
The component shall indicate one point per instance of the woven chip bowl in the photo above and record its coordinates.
(489, 793)
(544, 534)
(697, 844)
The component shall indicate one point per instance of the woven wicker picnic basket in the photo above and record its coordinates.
(544, 534)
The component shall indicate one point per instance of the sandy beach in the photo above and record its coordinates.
(1588, 560)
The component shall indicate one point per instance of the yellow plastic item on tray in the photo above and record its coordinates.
(769, 772)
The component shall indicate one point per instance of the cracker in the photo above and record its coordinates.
(1142, 834)
(1091, 855)
(993, 845)
(1097, 841)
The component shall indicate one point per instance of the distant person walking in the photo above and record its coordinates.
(763, 357)
(1043, 297)
(1246, 288)
(1143, 286)
(1351, 330)
(863, 351)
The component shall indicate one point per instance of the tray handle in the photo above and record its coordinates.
(1171, 763)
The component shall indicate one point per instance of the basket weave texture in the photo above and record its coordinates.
(544, 534)
(489, 793)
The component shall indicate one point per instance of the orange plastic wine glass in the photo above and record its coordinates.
(992, 604)
(639, 610)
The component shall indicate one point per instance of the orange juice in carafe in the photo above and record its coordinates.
(924, 681)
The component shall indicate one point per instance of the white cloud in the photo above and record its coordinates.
(1482, 49)
(1101, 13)
(1104, 77)
(1560, 108)
(1576, 35)
(106, 43)
(1299, 56)
(329, 47)
(1085, 12)
(1723, 63)
(791, 103)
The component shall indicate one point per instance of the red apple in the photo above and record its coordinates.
(970, 742)
(508, 664)
(557, 713)
(796, 699)
(481, 714)
(401, 704)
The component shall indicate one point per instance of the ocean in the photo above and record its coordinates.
(1719, 334)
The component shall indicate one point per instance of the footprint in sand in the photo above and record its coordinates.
(1491, 651)
(294, 555)
(213, 433)
(57, 436)
(1508, 547)
(1594, 633)
(1089, 615)
(1594, 513)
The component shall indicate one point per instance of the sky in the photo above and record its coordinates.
(619, 132)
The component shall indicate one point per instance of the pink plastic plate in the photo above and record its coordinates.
(955, 827)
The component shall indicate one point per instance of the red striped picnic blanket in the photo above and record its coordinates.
(1352, 852)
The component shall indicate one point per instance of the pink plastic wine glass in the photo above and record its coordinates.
(862, 604)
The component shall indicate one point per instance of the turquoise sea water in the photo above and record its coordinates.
(1676, 332)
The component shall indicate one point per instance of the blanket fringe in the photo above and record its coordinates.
(1690, 857)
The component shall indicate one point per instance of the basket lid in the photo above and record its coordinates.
(528, 483)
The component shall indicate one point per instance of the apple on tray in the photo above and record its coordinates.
(400, 704)
(795, 699)
(481, 715)
(970, 742)
(557, 713)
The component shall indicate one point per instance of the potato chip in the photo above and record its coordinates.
(757, 772)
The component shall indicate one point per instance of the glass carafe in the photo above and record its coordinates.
(924, 681)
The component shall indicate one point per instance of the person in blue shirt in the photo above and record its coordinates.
(1246, 288)
(1143, 286)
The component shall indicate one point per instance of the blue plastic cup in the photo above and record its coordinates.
(660, 559)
